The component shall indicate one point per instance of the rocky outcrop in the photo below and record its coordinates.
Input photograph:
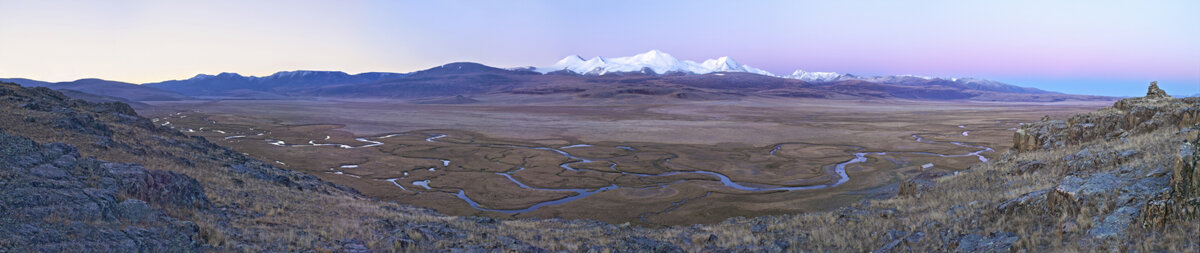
(53, 200)
(1126, 117)
(1154, 92)
(1115, 189)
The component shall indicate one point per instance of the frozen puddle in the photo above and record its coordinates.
(965, 133)
(370, 143)
(445, 163)
(343, 173)
(235, 137)
(435, 137)
(397, 185)
(423, 183)
(976, 153)
(577, 146)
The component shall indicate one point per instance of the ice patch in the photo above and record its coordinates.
(393, 180)
(423, 183)
(430, 139)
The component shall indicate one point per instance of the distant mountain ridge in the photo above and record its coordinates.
(227, 83)
(103, 88)
(656, 62)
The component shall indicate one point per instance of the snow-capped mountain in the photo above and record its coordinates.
(654, 60)
(816, 76)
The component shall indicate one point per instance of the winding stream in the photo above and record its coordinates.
(839, 170)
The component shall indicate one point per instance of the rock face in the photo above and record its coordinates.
(55, 201)
(1185, 180)
(1128, 116)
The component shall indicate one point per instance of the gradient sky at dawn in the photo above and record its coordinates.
(1083, 47)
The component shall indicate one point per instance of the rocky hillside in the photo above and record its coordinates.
(95, 176)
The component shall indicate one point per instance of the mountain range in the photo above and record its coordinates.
(652, 62)
(233, 84)
(647, 76)
(98, 90)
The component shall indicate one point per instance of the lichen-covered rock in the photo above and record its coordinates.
(995, 242)
(1185, 180)
(54, 201)
(1114, 225)
(1026, 201)
(643, 244)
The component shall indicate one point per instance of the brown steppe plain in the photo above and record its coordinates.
(756, 142)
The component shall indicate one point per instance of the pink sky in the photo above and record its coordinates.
(1054, 45)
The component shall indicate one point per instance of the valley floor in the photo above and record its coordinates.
(661, 164)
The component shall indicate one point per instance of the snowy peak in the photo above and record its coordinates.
(723, 64)
(656, 61)
(569, 60)
(815, 76)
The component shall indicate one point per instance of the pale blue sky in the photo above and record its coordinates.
(1086, 47)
